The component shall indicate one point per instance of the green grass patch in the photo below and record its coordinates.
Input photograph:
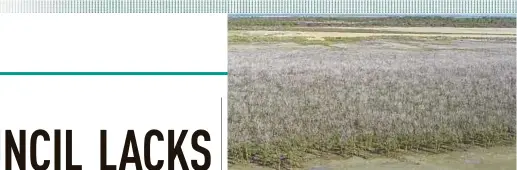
(236, 39)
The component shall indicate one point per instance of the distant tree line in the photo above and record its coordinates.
(484, 22)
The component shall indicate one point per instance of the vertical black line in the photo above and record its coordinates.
(221, 133)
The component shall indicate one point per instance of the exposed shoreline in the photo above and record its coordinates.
(500, 158)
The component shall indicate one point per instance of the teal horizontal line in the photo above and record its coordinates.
(113, 73)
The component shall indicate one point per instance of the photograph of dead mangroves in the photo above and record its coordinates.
(337, 93)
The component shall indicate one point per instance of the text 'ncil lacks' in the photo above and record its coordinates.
(18, 149)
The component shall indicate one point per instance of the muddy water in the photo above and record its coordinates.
(497, 158)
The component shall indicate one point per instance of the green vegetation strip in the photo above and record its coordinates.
(342, 30)
(487, 22)
(327, 41)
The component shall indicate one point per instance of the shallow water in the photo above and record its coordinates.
(496, 158)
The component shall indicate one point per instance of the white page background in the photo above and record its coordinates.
(87, 104)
